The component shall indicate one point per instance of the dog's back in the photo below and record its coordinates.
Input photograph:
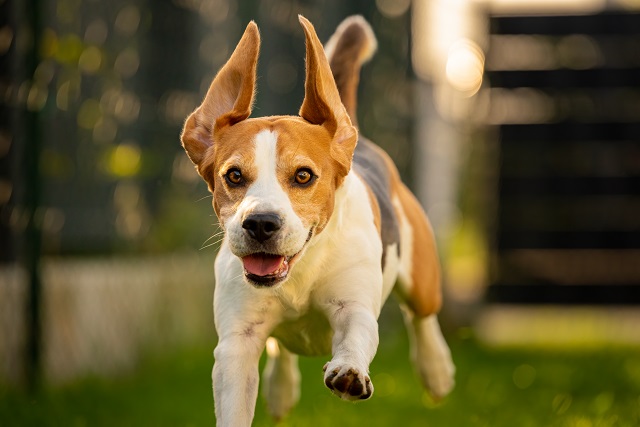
(403, 225)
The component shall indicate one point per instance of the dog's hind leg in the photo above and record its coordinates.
(418, 287)
(429, 353)
(281, 379)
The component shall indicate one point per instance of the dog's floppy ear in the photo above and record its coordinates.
(229, 98)
(322, 104)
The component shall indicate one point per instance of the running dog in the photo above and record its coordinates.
(318, 230)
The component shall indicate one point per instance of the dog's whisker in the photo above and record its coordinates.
(213, 237)
(237, 277)
(217, 233)
(211, 244)
(219, 236)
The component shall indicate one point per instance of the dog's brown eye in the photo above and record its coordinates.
(303, 176)
(234, 176)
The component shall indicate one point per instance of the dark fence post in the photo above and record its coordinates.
(32, 196)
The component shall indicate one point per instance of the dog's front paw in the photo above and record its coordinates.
(347, 382)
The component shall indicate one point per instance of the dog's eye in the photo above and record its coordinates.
(234, 176)
(303, 176)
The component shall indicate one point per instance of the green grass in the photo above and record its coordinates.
(495, 387)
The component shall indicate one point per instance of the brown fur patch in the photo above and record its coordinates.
(345, 64)
(218, 134)
(299, 145)
(322, 105)
(233, 148)
(303, 145)
(352, 44)
(228, 100)
(426, 295)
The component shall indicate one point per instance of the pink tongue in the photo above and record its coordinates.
(262, 264)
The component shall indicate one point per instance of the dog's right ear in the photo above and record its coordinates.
(228, 100)
(322, 105)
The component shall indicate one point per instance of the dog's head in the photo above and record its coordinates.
(273, 179)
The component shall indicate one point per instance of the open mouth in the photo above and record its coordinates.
(266, 269)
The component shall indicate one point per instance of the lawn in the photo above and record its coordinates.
(495, 387)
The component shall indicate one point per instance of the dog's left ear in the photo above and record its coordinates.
(228, 100)
(322, 104)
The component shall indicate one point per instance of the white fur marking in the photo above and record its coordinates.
(266, 195)
(273, 350)
(433, 357)
(281, 380)
(406, 250)
(266, 188)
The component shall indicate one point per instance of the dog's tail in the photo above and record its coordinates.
(349, 47)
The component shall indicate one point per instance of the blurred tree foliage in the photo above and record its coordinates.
(114, 82)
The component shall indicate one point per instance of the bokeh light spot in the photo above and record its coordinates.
(127, 62)
(603, 402)
(45, 72)
(215, 11)
(6, 38)
(128, 20)
(523, 376)
(393, 8)
(49, 43)
(96, 32)
(6, 189)
(37, 98)
(561, 403)
(89, 113)
(465, 67)
(69, 49)
(384, 383)
(125, 160)
(90, 60)
(105, 130)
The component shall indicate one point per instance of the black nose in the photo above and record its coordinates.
(262, 226)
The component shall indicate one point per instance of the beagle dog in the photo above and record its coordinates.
(318, 231)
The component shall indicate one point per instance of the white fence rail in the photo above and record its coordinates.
(100, 314)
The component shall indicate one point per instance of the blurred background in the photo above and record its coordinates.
(516, 122)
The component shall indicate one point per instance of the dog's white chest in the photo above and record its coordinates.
(308, 335)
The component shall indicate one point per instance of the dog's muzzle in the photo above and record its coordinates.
(267, 266)
(262, 226)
